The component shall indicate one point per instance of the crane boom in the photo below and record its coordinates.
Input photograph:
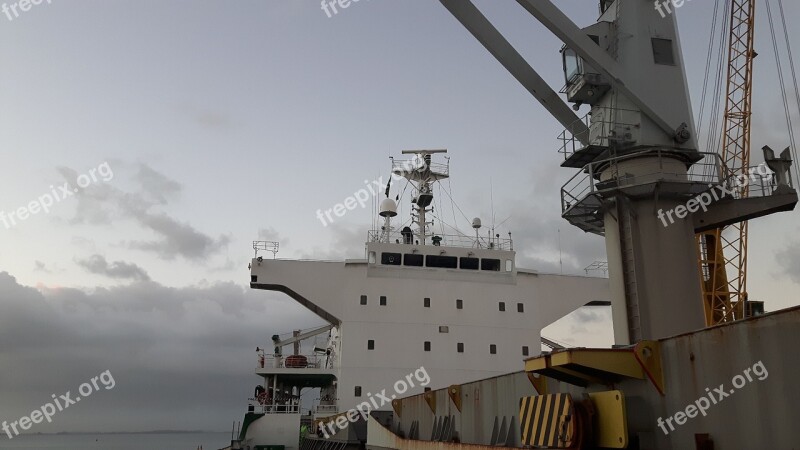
(723, 253)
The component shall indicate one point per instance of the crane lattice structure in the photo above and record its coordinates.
(723, 252)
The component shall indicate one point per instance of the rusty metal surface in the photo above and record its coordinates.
(759, 414)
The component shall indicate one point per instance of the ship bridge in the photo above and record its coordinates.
(458, 252)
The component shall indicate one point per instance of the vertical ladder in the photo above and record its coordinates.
(629, 270)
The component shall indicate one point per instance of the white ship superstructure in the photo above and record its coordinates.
(456, 305)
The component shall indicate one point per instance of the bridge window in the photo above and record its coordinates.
(446, 262)
(490, 264)
(390, 259)
(413, 260)
(470, 263)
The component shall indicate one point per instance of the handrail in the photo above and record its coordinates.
(444, 240)
(274, 409)
(311, 361)
(613, 125)
(708, 170)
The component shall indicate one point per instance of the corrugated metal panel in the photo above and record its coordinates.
(747, 372)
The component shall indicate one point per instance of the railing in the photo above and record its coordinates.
(608, 127)
(266, 246)
(707, 171)
(444, 240)
(326, 409)
(403, 166)
(272, 409)
(756, 181)
(314, 361)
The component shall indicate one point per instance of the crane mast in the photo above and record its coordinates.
(723, 251)
(637, 161)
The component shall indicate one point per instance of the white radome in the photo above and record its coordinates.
(388, 208)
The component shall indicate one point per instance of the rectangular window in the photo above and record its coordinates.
(502, 306)
(520, 307)
(383, 300)
(358, 391)
(427, 302)
(413, 260)
(363, 299)
(663, 53)
(427, 346)
(490, 264)
(572, 66)
(370, 345)
(493, 349)
(445, 262)
(459, 304)
(524, 350)
(390, 259)
(444, 329)
(470, 263)
(460, 347)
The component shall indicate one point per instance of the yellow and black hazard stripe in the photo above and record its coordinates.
(546, 420)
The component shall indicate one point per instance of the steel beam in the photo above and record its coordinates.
(483, 30)
(559, 24)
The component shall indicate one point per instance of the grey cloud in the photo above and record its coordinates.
(119, 270)
(182, 358)
(347, 241)
(269, 234)
(789, 260)
(157, 185)
(100, 203)
(178, 239)
(590, 314)
(41, 267)
(208, 119)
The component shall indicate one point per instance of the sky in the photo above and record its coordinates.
(197, 127)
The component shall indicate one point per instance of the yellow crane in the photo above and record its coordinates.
(723, 252)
